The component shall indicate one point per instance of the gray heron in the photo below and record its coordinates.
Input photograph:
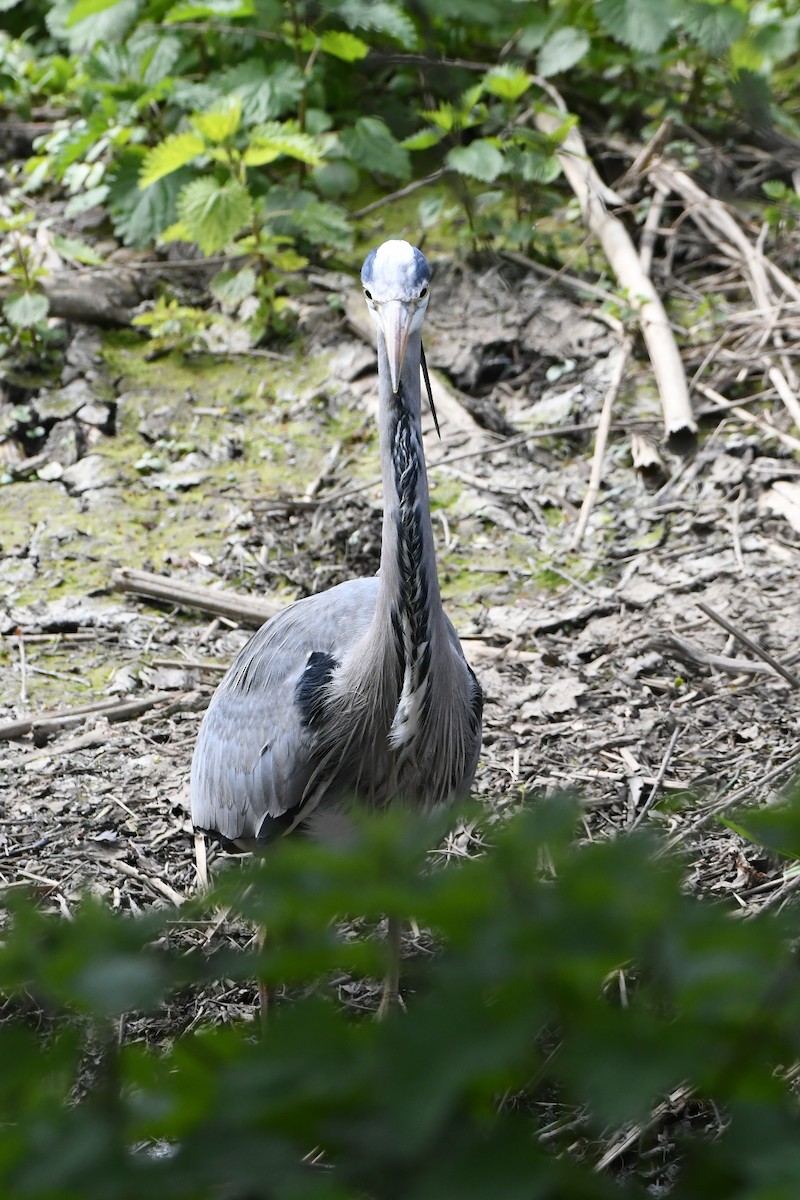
(360, 694)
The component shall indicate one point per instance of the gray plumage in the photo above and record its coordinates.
(361, 693)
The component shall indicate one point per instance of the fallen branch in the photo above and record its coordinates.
(247, 609)
(103, 297)
(677, 647)
(44, 726)
(680, 427)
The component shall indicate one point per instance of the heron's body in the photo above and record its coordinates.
(360, 694)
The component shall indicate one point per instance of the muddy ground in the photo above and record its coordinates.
(257, 472)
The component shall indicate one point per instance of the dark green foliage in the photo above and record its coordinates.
(518, 1017)
(195, 120)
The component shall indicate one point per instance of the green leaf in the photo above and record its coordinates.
(76, 251)
(343, 45)
(776, 189)
(480, 160)
(226, 9)
(220, 123)
(507, 81)
(140, 216)
(109, 23)
(273, 139)
(214, 213)
(336, 178)
(715, 26)
(25, 310)
(230, 288)
(540, 168)
(563, 50)
(444, 117)
(83, 201)
(266, 91)
(175, 151)
(89, 8)
(159, 59)
(372, 146)
(423, 140)
(641, 24)
(381, 16)
(324, 224)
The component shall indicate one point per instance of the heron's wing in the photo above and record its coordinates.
(258, 745)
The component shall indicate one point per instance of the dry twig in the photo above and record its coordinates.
(601, 440)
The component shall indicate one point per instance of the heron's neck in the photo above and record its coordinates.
(409, 586)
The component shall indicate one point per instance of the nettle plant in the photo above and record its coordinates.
(254, 128)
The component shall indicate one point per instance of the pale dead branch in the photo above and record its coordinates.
(680, 426)
(169, 590)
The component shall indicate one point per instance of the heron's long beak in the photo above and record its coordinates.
(395, 318)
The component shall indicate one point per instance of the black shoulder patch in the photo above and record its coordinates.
(309, 695)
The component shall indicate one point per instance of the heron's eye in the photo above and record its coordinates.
(424, 292)
(367, 294)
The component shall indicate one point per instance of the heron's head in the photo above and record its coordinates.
(396, 281)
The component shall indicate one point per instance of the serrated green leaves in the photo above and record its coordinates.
(324, 224)
(372, 146)
(507, 82)
(716, 26)
(230, 288)
(273, 139)
(214, 214)
(381, 16)
(219, 9)
(641, 24)
(343, 45)
(562, 50)
(480, 160)
(88, 8)
(174, 152)
(220, 123)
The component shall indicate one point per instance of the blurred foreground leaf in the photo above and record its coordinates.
(518, 1017)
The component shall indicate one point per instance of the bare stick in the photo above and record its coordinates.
(792, 443)
(650, 229)
(246, 609)
(114, 710)
(201, 860)
(645, 156)
(659, 779)
(676, 1098)
(680, 426)
(601, 440)
(758, 650)
(23, 671)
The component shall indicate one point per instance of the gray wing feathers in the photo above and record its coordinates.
(254, 756)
